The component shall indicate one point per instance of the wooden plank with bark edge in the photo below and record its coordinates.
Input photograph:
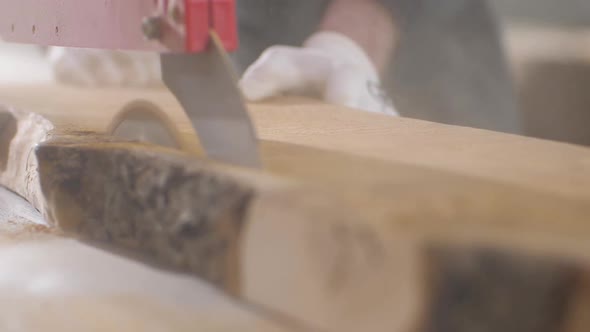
(195, 222)
(401, 209)
(54, 284)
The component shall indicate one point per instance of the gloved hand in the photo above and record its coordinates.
(90, 67)
(329, 66)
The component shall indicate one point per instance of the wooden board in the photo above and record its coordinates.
(536, 164)
(357, 222)
(51, 283)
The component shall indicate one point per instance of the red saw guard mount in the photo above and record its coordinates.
(204, 15)
(117, 24)
(193, 60)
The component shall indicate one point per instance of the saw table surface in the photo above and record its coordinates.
(415, 190)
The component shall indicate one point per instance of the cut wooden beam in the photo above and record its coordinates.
(333, 240)
(532, 163)
(55, 284)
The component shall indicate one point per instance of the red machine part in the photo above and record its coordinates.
(117, 24)
(201, 16)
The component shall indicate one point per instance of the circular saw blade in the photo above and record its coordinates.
(143, 121)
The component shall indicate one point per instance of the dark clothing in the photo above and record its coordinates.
(263, 23)
(449, 65)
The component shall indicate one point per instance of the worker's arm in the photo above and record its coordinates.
(340, 63)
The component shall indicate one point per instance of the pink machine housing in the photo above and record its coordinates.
(183, 25)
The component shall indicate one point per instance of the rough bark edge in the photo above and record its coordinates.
(180, 212)
(19, 172)
(8, 129)
(478, 288)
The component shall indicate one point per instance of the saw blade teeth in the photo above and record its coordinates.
(145, 122)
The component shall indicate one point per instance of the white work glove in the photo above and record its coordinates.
(95, 68)
(329, 66)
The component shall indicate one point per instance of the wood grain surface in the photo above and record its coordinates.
(537, 164)
(356, 222)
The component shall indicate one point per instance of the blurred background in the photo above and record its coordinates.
(546, 41)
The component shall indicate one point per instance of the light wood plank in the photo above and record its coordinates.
(348, 222)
